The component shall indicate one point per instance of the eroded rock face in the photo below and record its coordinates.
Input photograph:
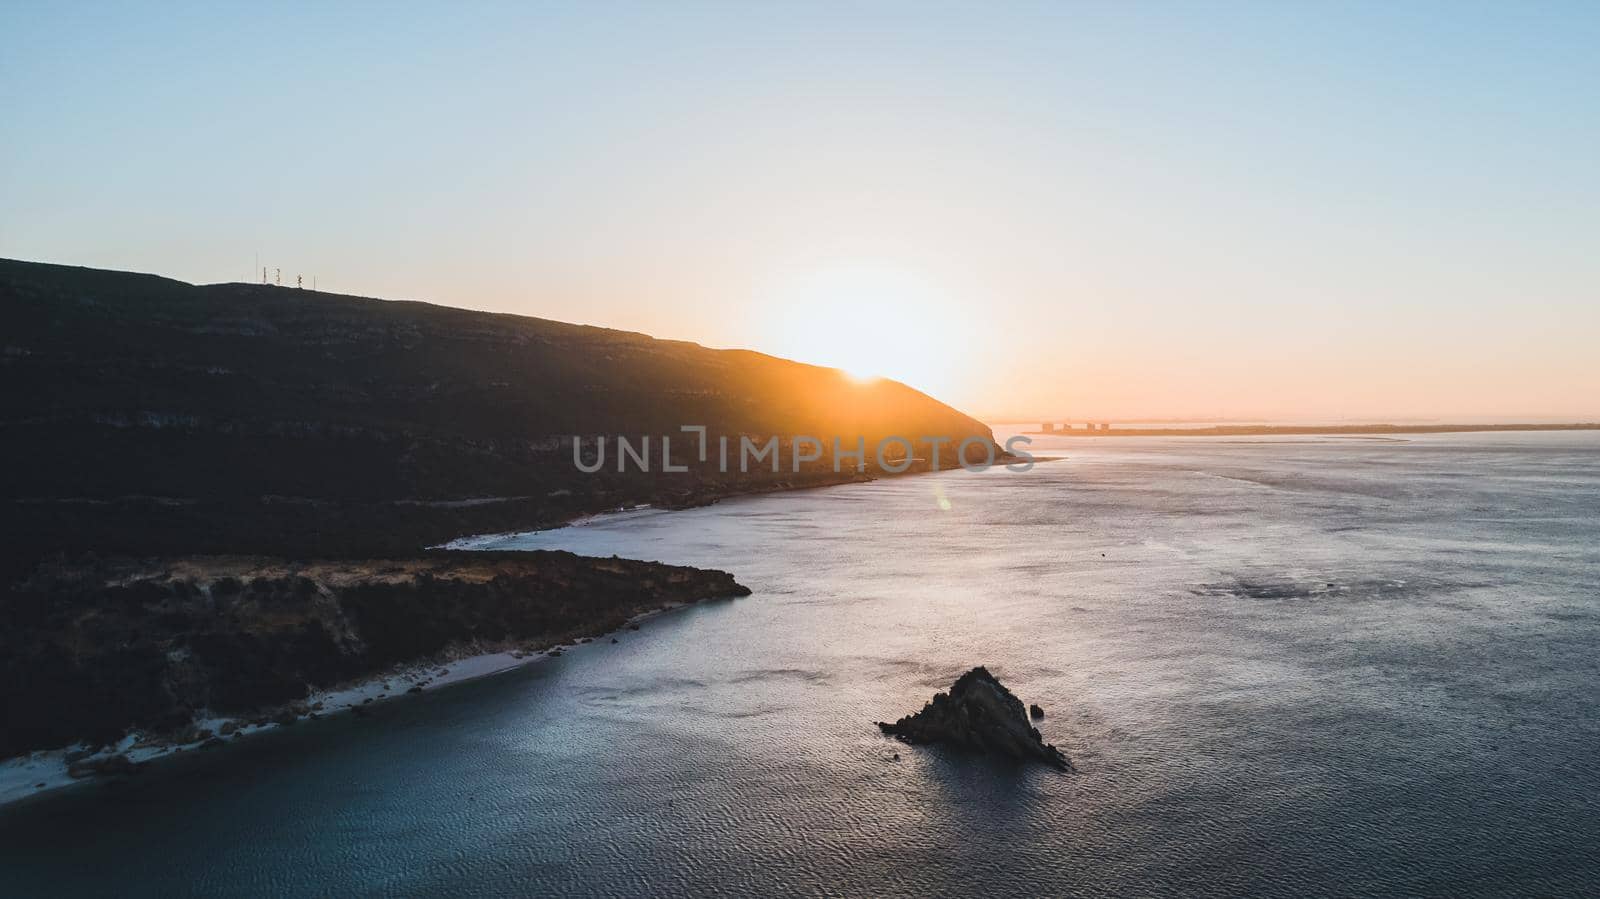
(981, 715)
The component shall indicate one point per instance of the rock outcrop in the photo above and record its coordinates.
(981, 715)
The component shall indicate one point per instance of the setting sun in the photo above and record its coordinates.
(869, 320)
(673, 448)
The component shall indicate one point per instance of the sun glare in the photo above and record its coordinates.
(870, 321)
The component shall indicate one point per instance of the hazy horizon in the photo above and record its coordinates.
(1224, 210)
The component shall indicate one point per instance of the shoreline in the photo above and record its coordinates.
(481, 542)
(47, 773)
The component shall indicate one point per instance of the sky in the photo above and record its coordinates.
(1105, 210)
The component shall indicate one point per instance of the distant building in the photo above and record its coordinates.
(1048, 428)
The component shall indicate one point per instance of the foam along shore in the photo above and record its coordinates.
(44, 772)
(115, 663)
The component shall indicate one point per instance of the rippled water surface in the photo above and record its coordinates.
(1281, 667)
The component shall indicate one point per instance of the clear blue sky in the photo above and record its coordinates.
(1107, 208)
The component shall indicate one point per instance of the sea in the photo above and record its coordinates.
(1280, 667)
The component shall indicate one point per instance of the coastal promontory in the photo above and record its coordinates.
(94, 648)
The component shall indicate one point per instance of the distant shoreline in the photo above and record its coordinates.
(1310, 430)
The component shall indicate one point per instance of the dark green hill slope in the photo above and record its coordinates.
(139, 413)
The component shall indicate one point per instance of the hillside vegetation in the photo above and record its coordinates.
(143, 414)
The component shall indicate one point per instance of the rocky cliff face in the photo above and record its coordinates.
(94, 648)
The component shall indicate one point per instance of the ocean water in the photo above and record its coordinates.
(1281, 667)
